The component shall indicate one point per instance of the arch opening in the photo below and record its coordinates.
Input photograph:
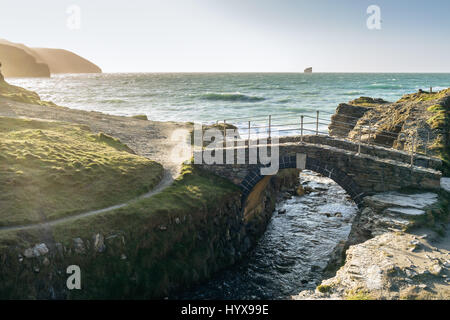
(312, 164)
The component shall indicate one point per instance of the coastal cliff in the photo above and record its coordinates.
(399, 244)
(423, 116)
(19, 60)
(63, 61)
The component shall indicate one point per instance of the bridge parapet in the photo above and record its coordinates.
(358, 174)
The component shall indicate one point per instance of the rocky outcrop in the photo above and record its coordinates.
(19, 60)
(345, 119)
(348, 114)
(421, 118)
(390, 266)
(394, 211)
(386, 260)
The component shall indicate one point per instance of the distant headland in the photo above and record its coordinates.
(21, 61)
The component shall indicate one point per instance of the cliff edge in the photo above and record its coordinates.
(21, 61)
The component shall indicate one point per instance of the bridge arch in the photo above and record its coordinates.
(287, 162)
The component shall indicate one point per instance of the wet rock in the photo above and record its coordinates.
(300, 191)
(400, 200)
(308, 190)
(282, 211)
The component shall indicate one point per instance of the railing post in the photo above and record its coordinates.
(412, 150)
(224, 133)
(359, 141)
(270, 124)
(301, 129)
(248, 141)
(317, 123)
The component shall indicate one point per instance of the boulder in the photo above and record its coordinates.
(99, 243)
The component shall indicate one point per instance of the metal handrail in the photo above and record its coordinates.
(362, 129)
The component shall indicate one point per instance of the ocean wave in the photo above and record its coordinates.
(284, 100)
(310, 93)
(113, 101)
(231, 97)
(350, 93)
(384, 86)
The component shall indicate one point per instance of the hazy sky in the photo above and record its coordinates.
(239, 35)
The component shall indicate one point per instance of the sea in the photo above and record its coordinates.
(211, 97)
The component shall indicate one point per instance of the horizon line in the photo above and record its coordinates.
(281, 72)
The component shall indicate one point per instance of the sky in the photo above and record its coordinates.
(237, 35)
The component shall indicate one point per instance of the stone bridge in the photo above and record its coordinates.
(371, 170)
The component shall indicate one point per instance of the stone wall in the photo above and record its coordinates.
(420, 160)
(150, 263)
(359, 175)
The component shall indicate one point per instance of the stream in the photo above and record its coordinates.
(294, 250)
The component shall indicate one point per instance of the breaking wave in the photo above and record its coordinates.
(231, 97)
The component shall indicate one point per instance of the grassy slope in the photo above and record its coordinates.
(192, 193)
(439, 121)
(21, 95)
(51, 169)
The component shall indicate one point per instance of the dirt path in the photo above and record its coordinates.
(151, 139)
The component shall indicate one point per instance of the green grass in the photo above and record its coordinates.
(192, 193)
(21, 95)
(358, 295)
(323, 288)
(439, 121)
(140, 117)
(424, 96)
(50, 169)
(367, 102)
